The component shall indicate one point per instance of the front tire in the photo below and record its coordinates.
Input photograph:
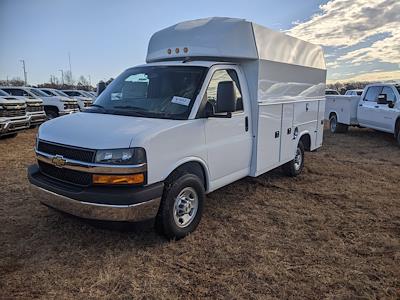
(181, 206)
(51, 114)
(296, 165)
(398, 138)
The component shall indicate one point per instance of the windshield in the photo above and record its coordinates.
(60, 93)
(398, 88)
(2, 93)
(87, 94)
(38, 93)
(158, 92)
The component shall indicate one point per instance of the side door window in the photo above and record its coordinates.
(373, 93)
(15, 92)
(389, 94)
(224, 75)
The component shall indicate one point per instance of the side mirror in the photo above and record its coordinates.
(390, 103)
(226, 97)
(382, 99)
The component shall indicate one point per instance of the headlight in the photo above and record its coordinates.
(131, 156)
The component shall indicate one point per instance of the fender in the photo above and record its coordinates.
(186, 160)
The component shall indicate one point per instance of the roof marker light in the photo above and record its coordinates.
(176, 50)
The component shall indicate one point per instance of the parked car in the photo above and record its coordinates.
(354, 92)
(13, 117)
(378, 107)
(34, 109)
(83, 99)
(190, 121)
(331, 92)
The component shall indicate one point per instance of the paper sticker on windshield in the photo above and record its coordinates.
(181, 100)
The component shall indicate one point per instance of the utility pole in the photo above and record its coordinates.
(90, 81)
(23, 66)
(70, 69)
(62, 76)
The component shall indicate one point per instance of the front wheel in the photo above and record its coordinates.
(181, 206)
(296, 165)
(398, 138)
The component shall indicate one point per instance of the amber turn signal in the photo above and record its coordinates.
(118, 179)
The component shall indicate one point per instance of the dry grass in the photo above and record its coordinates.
(333, 232)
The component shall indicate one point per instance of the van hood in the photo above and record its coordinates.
(101, 131)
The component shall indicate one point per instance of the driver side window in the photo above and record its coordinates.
(224, 75)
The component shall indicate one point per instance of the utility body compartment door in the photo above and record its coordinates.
(287, 148)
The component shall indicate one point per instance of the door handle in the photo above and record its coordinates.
(246, 123)
(376, 106)
(360, 105)
(276, 134)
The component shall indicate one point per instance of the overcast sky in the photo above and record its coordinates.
(360, 37)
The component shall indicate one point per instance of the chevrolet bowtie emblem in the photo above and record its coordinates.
(58, 161)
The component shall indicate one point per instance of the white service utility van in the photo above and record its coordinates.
(378, 107)
(207, 109)
(13, 117)
(34, 105)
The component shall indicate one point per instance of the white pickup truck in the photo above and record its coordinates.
(13, 117)
(84, 100)
(34, 105)
(378, 107)
(54, 106)
(207, 109)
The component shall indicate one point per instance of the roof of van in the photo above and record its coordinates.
(231, 39)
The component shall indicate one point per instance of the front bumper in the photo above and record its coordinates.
(37, 119)
(13, 125)
(98, 203)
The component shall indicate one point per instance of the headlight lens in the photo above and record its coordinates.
(131, 156)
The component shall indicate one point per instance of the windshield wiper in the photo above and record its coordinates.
(97, 105)
(131, 107)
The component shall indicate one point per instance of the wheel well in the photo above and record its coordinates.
(195, 168)
(332, 114)
(306, 140)
(51, 107)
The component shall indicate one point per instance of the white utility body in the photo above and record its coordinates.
(378, 107)
(219, 99)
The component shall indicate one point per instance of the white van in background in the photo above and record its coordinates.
(34, 108)
(207, 109)
(13, 117)
(378, 108)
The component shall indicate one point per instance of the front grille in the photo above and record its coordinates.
(12, 112)
(65, 175)
(71, 106)
(87, 104)
(35, 108)
(80, 154)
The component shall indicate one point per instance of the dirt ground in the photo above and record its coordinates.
(333, 232)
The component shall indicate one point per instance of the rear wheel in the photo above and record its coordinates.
(181, 205)
(296, 165)
(337, 127)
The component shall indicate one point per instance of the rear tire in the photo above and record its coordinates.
(181, 205)
(336, 127)
(296, 165)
